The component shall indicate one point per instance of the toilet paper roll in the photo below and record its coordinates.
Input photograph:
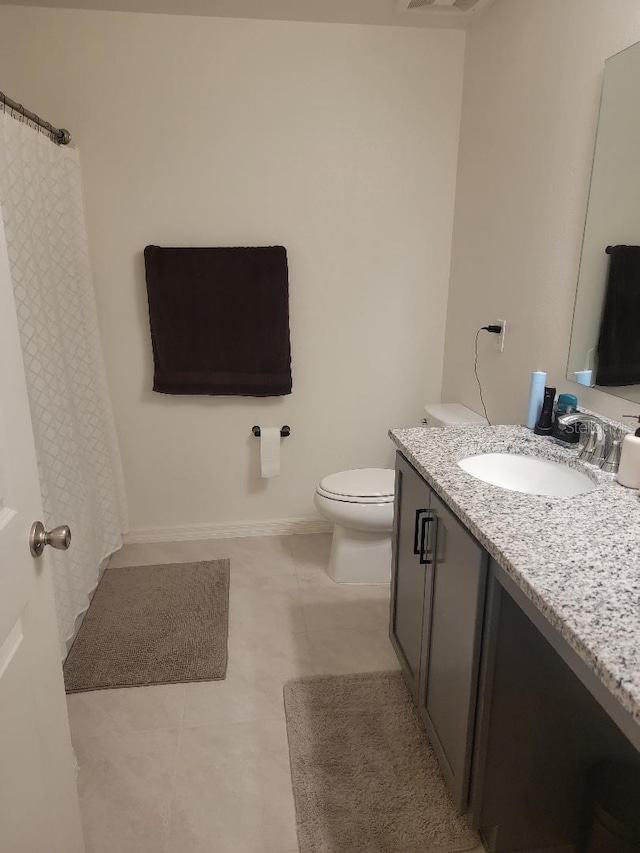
(269, 451)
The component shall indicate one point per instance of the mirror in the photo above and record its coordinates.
(605, 340)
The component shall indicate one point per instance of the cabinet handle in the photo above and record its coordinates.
(441, 544)
(425, 554)
(416, 548)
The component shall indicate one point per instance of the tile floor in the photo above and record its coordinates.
(190, 768)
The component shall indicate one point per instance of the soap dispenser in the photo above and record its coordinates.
(629, 470)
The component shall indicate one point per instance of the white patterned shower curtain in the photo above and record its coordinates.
(78, 458)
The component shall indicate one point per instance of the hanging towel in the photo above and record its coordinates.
(619, 342)
(219, 320)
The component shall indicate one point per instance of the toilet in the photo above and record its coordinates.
(359, 503)
(451, 414)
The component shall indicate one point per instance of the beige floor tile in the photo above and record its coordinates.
(244, 696)
(253, 687)
(126, 783)
(262, 554)
(310, 552)
(267, 577)
(341, 651)
(233, 790)
(269, 605)
(343, 605)
(273, 653)
(101, 712)
(250, 623)
(321, 582)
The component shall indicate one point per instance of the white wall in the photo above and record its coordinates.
(339, 142)
(533, 76)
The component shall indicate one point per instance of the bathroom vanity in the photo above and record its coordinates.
(516, 620)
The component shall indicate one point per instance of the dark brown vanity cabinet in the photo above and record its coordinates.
(412, 573)
(451, 647)
(531, 713)
(437, 601)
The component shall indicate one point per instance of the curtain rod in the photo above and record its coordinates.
(59, 135)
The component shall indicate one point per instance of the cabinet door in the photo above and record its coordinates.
(451, 648)
(411, 571)
(539, 732)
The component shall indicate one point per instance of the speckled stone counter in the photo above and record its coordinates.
(577, 559)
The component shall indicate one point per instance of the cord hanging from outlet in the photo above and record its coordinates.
(496, 330)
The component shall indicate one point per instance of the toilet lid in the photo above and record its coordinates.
(361, 483)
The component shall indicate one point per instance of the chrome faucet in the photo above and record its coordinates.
(599, 444)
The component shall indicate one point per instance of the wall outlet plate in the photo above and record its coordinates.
(499, 341)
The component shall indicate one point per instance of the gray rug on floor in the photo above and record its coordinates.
(153, 625)
(365, 779)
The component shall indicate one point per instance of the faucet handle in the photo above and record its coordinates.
(611, 433)
(612, 462)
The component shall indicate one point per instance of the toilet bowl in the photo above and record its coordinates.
(359, 503)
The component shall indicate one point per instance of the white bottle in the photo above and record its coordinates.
(629, 470)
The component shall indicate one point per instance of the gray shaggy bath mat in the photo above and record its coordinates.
(365, 778)
(153, 625)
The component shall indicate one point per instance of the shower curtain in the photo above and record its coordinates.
(78, 458)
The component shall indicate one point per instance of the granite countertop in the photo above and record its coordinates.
(576, 558)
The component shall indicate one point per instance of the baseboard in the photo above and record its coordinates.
(270, 527)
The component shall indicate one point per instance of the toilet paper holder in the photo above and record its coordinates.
(284, 431)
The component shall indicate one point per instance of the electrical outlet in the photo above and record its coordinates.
(499, 340)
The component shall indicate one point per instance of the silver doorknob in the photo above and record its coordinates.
(59, 538)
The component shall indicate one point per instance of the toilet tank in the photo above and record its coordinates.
(450, 414)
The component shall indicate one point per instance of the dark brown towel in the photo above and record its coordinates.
(619, 342)
(219, 320)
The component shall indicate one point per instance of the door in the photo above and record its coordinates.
(452, 640)
(39, 810)
(411, 569)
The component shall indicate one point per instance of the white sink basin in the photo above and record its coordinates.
(527, 474)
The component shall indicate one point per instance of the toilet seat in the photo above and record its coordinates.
(354, 500)
(360, 486)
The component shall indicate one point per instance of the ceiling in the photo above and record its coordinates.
(382, 12)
